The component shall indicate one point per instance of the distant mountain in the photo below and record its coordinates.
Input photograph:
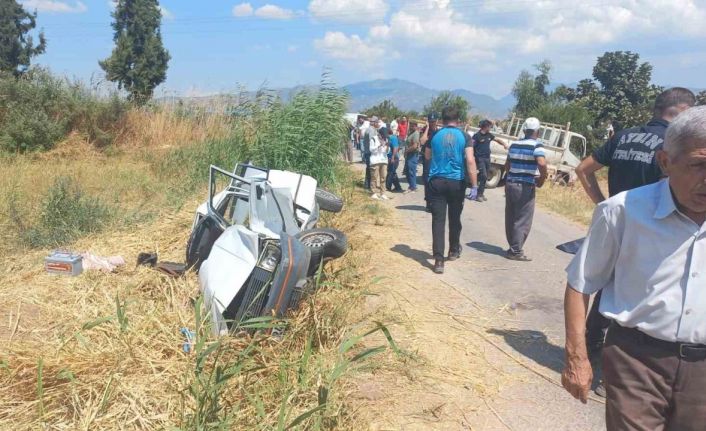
(410, 96)
(405, 94)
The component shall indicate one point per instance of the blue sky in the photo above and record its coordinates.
(480, 45)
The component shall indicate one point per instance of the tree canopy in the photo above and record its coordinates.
(701, 98)
(447, 98)
(385, 109)
(139, 61)
(529, 90)
(17, 45)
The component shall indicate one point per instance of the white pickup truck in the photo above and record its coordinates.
(564, 150)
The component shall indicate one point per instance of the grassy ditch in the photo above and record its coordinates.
(105, 350)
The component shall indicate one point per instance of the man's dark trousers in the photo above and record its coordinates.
(519, 212)
(392, 178)
(650, 386)
(411, 160)
(483, 164)
(366, 159)
(425, 178)
(445, 194)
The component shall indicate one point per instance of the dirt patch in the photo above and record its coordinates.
(445, 371)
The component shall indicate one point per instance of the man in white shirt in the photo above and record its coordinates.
(377, 148)
(646, 249)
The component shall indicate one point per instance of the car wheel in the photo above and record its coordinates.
(494, 177)
(328, 201)
(324, 243)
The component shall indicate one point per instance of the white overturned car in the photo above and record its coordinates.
(255, 243)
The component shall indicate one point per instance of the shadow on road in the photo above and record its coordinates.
(534, 345)
(412, 207)
(421, 257)
(487, 248)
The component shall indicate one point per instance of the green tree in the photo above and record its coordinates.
(16, 43)
(529, 90)
(621, 90)
(139, 61)
(385, 109)
(447, 98)
(701, 98)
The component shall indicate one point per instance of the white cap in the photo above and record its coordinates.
(531, 124)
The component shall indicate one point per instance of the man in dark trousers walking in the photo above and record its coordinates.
(524, 158)
(481, 148)
(631, 157)
(450, 156)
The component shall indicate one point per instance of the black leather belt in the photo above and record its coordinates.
(687, 351)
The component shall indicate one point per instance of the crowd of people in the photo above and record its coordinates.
(643, 258)
(452, 162)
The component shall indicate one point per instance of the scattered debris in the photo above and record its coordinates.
(63, 262)
(189, 336)
(100, 263)
(173, 269)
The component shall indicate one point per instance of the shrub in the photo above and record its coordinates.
(38, 109)
(66, 214)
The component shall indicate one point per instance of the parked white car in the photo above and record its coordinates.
(255, 243)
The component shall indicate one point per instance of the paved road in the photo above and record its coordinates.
(532, 292)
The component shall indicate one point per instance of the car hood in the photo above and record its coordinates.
(222, 275)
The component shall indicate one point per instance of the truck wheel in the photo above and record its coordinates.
(494, 177)
(324, 243)
(328, 201)
(561, 179)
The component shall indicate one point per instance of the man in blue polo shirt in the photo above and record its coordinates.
(524, 158)
(450, 156)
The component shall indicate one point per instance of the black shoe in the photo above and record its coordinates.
(439, 266)
(454, 255)
(520, 257)
(483, 198)
(428, 209)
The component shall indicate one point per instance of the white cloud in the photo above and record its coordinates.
(55, 6)
(166, 13)
(497, 30)
(270, 11)
(243, 9)
(342, 47)
(349, 11)
(292, 48)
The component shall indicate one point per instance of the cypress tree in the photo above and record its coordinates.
(138, 62)
(16, 44)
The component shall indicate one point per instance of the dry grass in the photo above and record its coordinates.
(98, 374)
(104, 351)
(570, 202)
(165, 128)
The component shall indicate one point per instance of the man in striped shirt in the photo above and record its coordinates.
(524, 158)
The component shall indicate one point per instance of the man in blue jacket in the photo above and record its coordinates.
(450, 157)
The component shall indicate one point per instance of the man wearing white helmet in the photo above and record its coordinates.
(524, 158)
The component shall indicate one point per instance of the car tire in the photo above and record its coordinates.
(324, 243)
(494, 177)
(328, 201)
